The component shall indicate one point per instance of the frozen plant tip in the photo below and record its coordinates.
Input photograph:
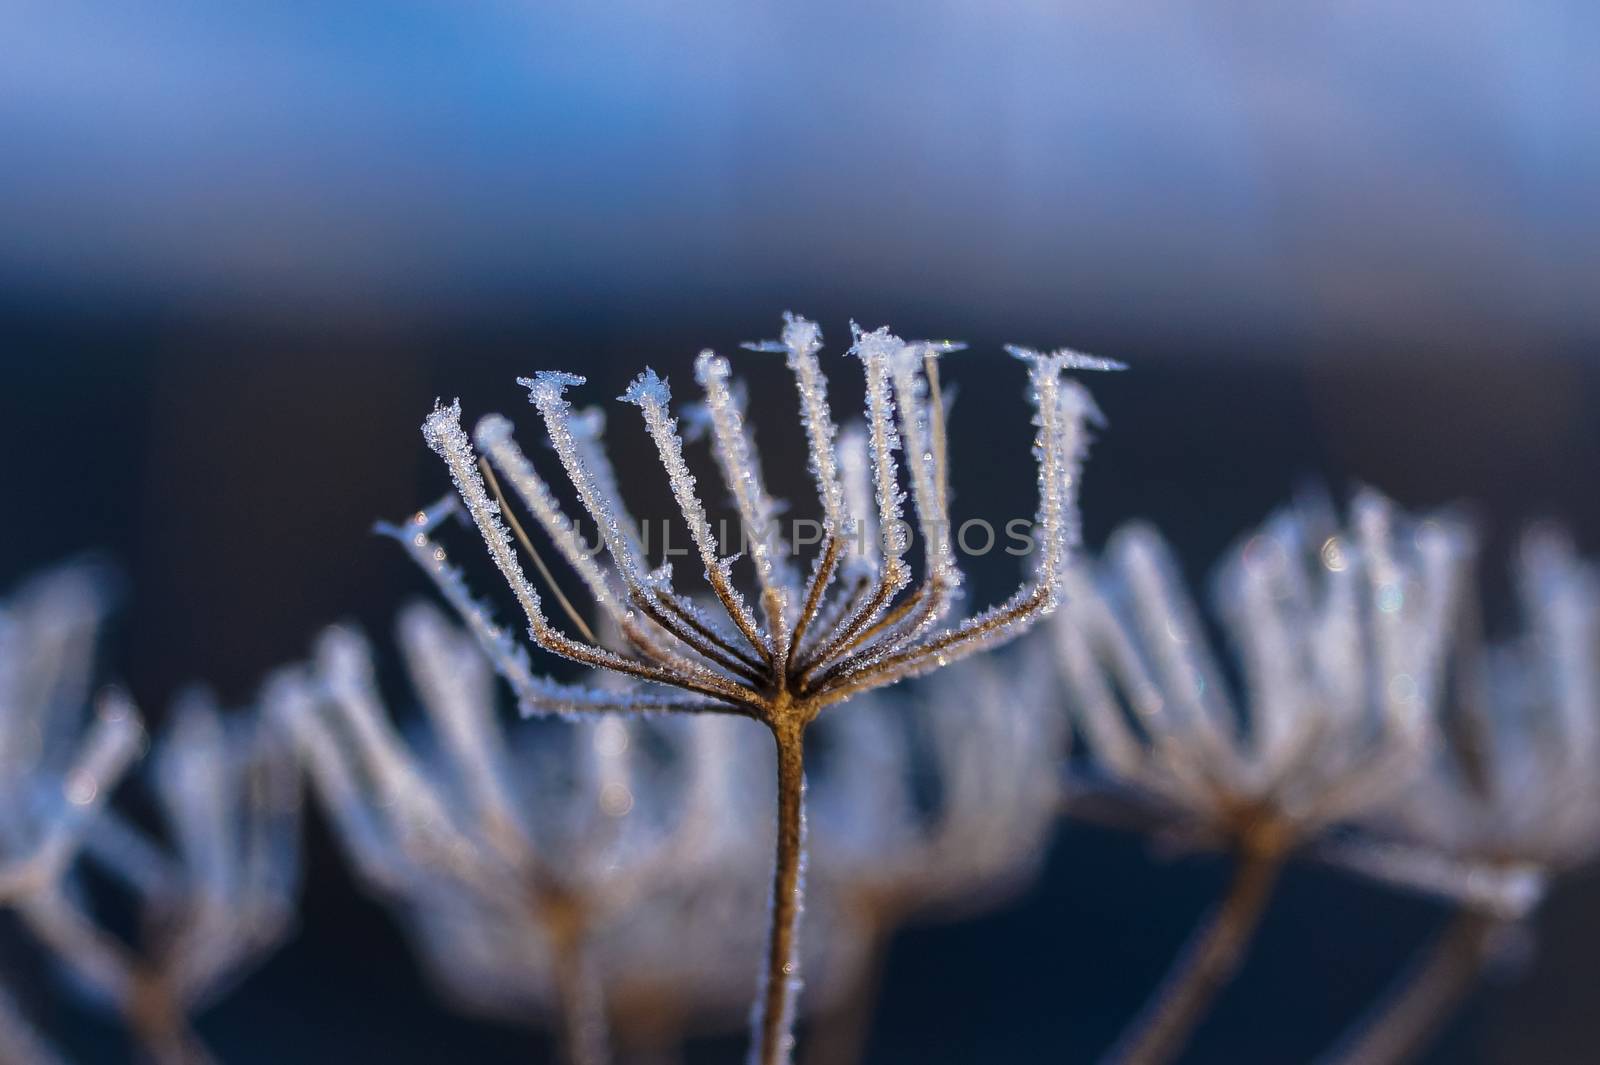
(855, 620)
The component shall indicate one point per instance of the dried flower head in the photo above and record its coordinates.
(856, 621)
(1513, 794)
(214, 903)
(1341, 637)
(1510, 798)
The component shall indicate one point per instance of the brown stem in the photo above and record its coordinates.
(1410, 1013)
(921, 605)
(882, 594)
(1208, 962)
(583, 1017)
(781, 982)
(157, 1021)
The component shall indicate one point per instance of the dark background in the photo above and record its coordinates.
(241, 251)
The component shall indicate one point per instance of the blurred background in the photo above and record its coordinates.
(244, 247)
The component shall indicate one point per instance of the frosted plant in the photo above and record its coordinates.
(1512, 799)
(857, 621)
(212, 906)
(987, 740)
(508, 861)
(59, 760)
(1341, 638)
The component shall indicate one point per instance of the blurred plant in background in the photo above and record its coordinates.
(602, 875)
(58, 760)
(1342, 639)
(1510, 797)
(1375, 733)
(219, 897)
(510, 858)
(934, 803)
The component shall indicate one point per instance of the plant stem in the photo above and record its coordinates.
(583, 1021)
(1208, 962)
(774, 1038)
(1410, 1012)
(159, 1026)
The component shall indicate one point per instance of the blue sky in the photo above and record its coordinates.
(1289, 162)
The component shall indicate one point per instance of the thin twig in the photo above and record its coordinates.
(819, 584)
(1207, 964)
(538, 562)
(1411, 1012)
